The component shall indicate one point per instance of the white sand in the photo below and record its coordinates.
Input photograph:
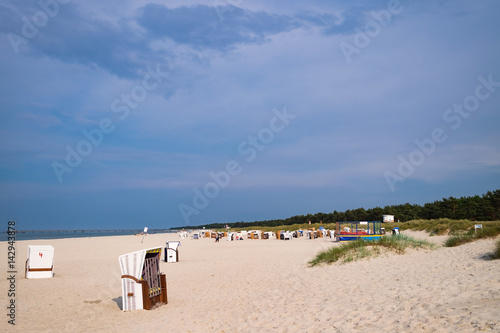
(261, 286)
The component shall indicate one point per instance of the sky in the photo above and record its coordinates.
(125, 114)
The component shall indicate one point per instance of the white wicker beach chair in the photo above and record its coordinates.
(143, 286)
(40, 262)
(172, 251)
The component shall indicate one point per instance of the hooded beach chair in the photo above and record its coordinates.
(172, 251)
(40, 262)
(143, 286)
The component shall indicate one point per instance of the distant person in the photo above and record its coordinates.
(217, 238)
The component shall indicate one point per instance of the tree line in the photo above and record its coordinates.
(475, 208)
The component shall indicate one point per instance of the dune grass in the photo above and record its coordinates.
(457, 240)
(359, 249)
(435, 227)
(470, 235)
(460, 231)
(496, 253)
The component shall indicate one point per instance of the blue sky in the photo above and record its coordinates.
(124, 114)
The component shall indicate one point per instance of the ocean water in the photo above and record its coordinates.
(58, 234)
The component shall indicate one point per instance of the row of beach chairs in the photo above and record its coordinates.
(258, 234)
(143, 285)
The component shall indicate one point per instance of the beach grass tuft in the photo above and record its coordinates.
(360, 249)
(497, 250)
(457, 240)
(470, 235)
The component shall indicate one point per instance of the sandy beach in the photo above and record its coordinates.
(261, 286)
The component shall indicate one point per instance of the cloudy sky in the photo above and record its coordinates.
(123, 114)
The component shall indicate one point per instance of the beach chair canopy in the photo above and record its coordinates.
(132, 263)
(173, 245)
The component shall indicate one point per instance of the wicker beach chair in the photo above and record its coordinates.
(143, 286)
(172, 251)
(40, 262)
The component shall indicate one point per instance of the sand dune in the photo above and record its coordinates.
(262, 286)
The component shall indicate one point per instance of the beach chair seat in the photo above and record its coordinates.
(40, 262)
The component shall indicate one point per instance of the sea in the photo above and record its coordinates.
(58, 234)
